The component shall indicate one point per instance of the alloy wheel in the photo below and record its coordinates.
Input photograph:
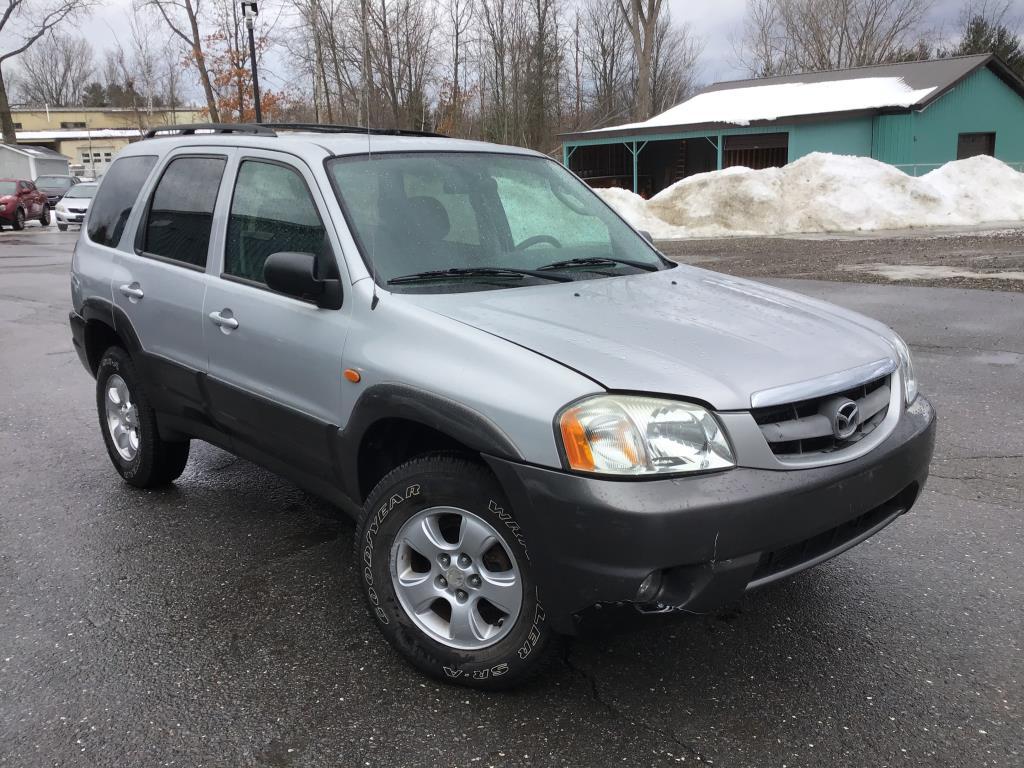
(455, 578)
(122, 418)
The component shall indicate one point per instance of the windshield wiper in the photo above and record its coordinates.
(470, 272)
(600, 261)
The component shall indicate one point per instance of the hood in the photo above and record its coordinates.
(76, 202)
(684, 331)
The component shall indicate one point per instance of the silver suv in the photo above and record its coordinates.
(525, 407)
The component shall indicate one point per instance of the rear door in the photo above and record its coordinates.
(163, 279)
(275, 362)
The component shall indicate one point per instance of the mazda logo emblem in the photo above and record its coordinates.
(846, 419)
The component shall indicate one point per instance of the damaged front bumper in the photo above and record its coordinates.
(696, 543)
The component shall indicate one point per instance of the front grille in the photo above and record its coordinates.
(76, 210)
(809, 550)
(798, 429)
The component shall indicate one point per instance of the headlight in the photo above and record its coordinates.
(60, 207)
(631, 435)
(907, 369)
(3, 206)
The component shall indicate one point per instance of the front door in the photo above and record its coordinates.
(162, 281)
(275, 371)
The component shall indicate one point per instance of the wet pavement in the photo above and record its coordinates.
(218, 623)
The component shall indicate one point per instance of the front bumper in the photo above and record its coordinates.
(69, 218)
(709, 537)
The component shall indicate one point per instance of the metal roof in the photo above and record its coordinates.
(940, 74)
(933, 77)
(43, 153)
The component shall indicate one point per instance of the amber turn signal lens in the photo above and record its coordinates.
(574, 438)
(352, 375)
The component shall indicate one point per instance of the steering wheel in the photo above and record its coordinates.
(537, 240)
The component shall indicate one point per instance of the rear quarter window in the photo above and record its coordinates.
(116, 198)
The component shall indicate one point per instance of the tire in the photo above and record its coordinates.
(143, 458)
(62, 227)
(44, 217)
(486, 651)
(19, 220)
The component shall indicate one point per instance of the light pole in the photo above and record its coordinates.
(250, 13)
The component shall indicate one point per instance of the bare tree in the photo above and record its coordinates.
(182, 18)
(54, 72)
(459, 16)
(609, 63)
(674, 64)
(782, 36)
(763, 48)
(23, 24)
(641, 18)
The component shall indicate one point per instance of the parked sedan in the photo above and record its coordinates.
(20, 201)
(55, 187)
(74, 205)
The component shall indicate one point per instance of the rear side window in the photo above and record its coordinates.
(114, 202)
(181, 212)
(271, 211)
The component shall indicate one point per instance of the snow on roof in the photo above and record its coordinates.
(79, 133)
(40, 152)
(741, 106)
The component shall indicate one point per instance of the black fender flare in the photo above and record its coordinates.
(401, 401)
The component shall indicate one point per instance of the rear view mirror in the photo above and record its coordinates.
(294, 274)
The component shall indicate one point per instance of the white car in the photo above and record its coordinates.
(73, 206)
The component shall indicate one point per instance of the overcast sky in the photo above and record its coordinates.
(716, 22)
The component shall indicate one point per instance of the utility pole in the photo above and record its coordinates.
(250, 13)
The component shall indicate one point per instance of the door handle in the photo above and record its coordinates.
(132, 290)
(224, 321)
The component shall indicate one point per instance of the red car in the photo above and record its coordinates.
(20, 201)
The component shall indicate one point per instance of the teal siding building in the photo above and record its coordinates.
(915, 116)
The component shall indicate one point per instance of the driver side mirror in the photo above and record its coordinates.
(646, 236)
(294, 274)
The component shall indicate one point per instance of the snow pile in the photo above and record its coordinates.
(740, 106)
(827, 193)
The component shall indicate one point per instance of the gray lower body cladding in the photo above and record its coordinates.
(709, 537)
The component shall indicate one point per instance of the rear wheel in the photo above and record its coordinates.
(129, 428)
(447, 577)
(19, 219)
(44, 217)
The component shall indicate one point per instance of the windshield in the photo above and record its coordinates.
(8, 187)
(82, 191)
(414, 212)
(53, 182)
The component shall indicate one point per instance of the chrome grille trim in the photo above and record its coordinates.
(825, 385)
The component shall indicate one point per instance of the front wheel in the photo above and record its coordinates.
(446, 575)
(19, 220)
(62, 227)
(129, 427)
(44, 217)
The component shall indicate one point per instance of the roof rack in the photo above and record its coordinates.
(329, 128)
(268, 129)
(193, 128)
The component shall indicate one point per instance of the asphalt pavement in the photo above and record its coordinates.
(218, 623)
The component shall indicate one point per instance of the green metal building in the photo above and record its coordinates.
(914, 115)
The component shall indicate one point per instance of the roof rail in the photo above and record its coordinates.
(329, 128)
(193, 128)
